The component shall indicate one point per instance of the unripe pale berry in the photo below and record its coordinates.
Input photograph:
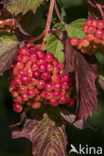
(36, 105)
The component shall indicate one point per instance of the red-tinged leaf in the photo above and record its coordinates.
(86, 75)
(71, 118)
(8, 48)
(47, 137)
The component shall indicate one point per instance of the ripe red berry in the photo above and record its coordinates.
(33, 57)
(100, 24)
(24, 79)
(61, 66)
(49, 86)
(17, 107)
(63, 99)
(85, 42)
(48, 95)
(49, 57)
(90, 37)
(14, 93)
(24, 58)
(41, 61)
(49, 66)
(65, 85)
(56, 70)
(56, 78)
(17, 81)
(33, 81)
(46, 76)
(36, 105)
(21, 71)
(55, 61)
(24, 97)
(91, 29)
(94, 22)
(43, 68)
(19, 100)
(57, 86)
(41, 84)
(89, 22)
(28, 64)
(56, 94)
(19, 65)
(40, 53)
(54, 102)
(74, 41)
(22, 89)
(71, 103)
(31, 93)
(34, 66)
(65, 77)
(98, 33)
(23, 50)
(36, 74)
(85, 28)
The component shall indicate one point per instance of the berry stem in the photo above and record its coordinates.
(100, 9)
(49, 20)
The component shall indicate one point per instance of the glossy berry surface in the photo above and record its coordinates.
(37, 78)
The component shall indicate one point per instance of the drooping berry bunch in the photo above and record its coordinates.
(94, 40)
(37, 78)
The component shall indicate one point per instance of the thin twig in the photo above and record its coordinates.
(58, 14)
(49, 20)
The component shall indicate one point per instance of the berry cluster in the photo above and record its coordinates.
(94, 40)
(37, 78)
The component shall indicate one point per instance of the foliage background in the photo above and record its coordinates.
(8, 146)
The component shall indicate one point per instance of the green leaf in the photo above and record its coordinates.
(8, 48)
(48, 138)
(18, 6)
(75, 29)
(54, 45)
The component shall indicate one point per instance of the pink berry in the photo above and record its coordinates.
(56, 94)
(55, 61)
(49, 57)
(48, 95)
(24, 58)
(24, 97)
(85, 28)
(23, 50)
(100, 24)
(94, 22)
(65, 77)
(63, 99)
(89, 22)
(36, 74)
(91, 29)
(98, 33)
(56, 70)
(19, 100)
(17, 81)
(17, 107)
(33, 57)
(19, 65)
(41, 61)
(65, 85)
(21, 71)
(90, 37)
(30, 93)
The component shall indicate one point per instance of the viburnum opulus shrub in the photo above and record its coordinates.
(51, 79)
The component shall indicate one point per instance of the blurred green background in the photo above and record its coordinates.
(8, 147)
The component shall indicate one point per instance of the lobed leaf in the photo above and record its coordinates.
(8, 48)
(18, 6)
(47, 137)
(86, 75)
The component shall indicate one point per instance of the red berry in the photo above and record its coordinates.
(57, 86)
(33, 81)
(31, 93)
(48, 95)
(63, 99)
(56, 70)
(41, 84)
(43, 68)
(85, 28)
(33, 57)
(22, 89)
(40, 53)
(29, 72)
(36, 74)
(24, 79)
(74, 41)
(55, 61)
(90, 37)
(34, 66)
(94, 22)
(49, 66)
(61, 66)
(89, 22)
(91, 29)
(56, 78)
(100, 24)
(49, 86)
(65, 77)
(21, 71)
(28, 64)
(14, 93)
(71, 103)
(56, 94)
(36, 105)
(23, 50)
(19, 65)
(41, 61)
(46, 76)
(98, 33)
(19, 100)
(24, 97)
(17, 81)
(85, 42)
(96, 40)
(17, 107)
(49, 57)
(65, 85)
(24, 58)
(54, 102)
